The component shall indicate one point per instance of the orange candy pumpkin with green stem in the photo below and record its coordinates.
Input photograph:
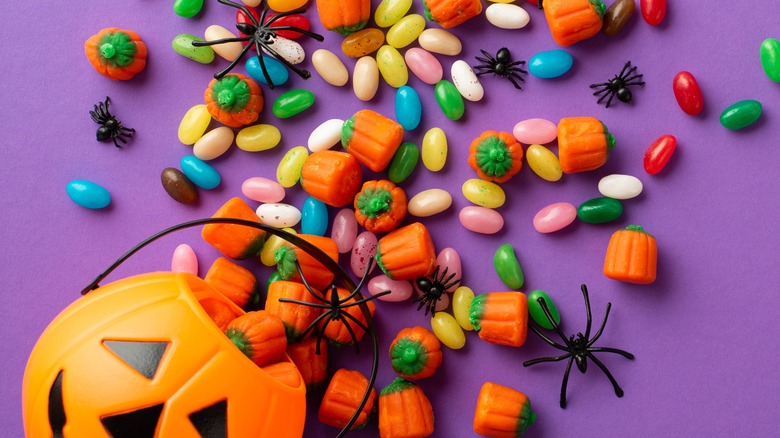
(259, 335)
(117, 54)
(406, 253)
(335, 330)
(502, 412)
(313, 366)
(317, 275)
(572, 21)
(332, 177)
(632, 256)
(296, 317)
(583, 144)
(344, 16)
(372, 138)
(415, 353)
(235, 282)
(380, 206)
(404, 411)
(450, 13)
(496, 156)
(500, 317)
(342, 398)
(235, 241)
(234, 100)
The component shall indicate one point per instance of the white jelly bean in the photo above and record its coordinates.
(481, 220)
(344, 230)
(535, 131)
(618, 186)
(278, 215)
(184, 260)
(365, 78)
(363, 251)
(507, 16)
(466, 81)
(288, 49)
(213, 143)
(228, 51)
(440, 41)
(555, 217)
(330, 67)
(325, 136)
(449, 260)
(429, 202)
(399, 290)
(262, 190)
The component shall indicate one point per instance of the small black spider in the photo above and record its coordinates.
(619, 85)
(501, 65)
(110, 127)
(433, 288)
(260, 34)
(578, 348)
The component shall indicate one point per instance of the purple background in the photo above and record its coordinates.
(703, 333)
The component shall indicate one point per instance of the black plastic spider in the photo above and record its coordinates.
(501, 65)
(111, 128)
(578, 348)
(260, 34)
(618, 86)
(433, 288)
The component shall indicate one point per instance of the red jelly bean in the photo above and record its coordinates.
(653, 11)
(688, 93)
(241, 17)
(297, 20)
(659, 153)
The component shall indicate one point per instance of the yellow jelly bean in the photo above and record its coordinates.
(194, 124)
(543, 162)
(434, 149)
(272, 244)
(447, 329)
(390, 12)
(461, 303)
(288, 173)
(392, 66)
(483, 193)
(406, 31)
(258, 138)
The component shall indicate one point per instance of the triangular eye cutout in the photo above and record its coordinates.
(144, 357)
(57, 417)
(136, 424)
(211, 421)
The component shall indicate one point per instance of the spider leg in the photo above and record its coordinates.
(516, 76)
(305, 303)
(548, 340)
(623, 76)
(365, 300)
(108, 104)
(603, 84)
(512, 64)
(627, 64)
(360, 285)
(322, 332)
(302, 73)
(601, 328)
(131, 130)
(263, 14)
(355, 320)
(603, 90)
(517, 70)
(623, 353)
(584, 290)
(311, 290)
(95, 118)
(546, 309)
(514, 82)
(313, 325)
(455, 282)
(117, 144)
(618, 389)
(243, 9)
(221, 74)
(640, 83)
(351, 332)
(637, 76)
(489, 56)
(221, 41)
(611, 95)
(565, 382)
(263, 68)
(308, 33)
(483, 72)
(528, 363)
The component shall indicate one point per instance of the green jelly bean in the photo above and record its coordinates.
(770, 58)
(187, 8)
(292, 102)
(508, 268)
(599, 210)
(536, 312)
(741, 115)
(182, 45)
(404, 162)
(449, 99)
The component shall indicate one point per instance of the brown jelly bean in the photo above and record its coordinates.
(617, 16)
(179, 186)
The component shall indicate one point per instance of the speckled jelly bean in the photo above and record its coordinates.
(653, 11)
(390, 12)
(618, 186)
(344, 230)
(554, 217)
(770, 58)
(314, 217)
(363, 251)
(227, 51)
(182, 44)
(408, 108)
(88, 194)
(466, 81)
(507, 267)
(481, 220)
(288, 49)
(284, 5)
(535, 131)
(292, 103)
(326, 135)
(404, 162)
(363, 42)
(278, 215)
(543, 162)
(741, 115)
(440, 41)
(273, 243)
(258, 138)
(600, 210)
(330, 67)
(688, 93)
(194, 123)
(392, 66)
(536, 311)
(424, 65)
(448, 261)
(434, 149)
(461, 304)
(399, 290)
(507, 16)
(262, 190)
(550, 64)
(429, 202)
(406, 31)
(289, 170)
(659, 153)
(276, 70)
(365, 78)
(187, 8)
(184, 260)
(449, 99)
(214, 143)
(199, 172)
(483, 193)
(448, 331)
(178, 186)
(617, 16)
(441, 304)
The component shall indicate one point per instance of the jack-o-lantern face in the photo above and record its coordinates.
(140, 358)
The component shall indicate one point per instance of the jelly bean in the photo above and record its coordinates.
(330, 67)
(537, 313)
(424, 65)
(555, 217)
(227, 51)
(292, 103)
(688, 93)
(429, 202)
(483, 193)
(617, 15)
(544, 163)
(365, 78)
(182, 44)
(278, 215)
(741, 115)
(363, 42)
(441, 304)
(404, 162)
(450, 266)
(481, 220)
(434, 149)
(618, 186)
(187, 8)
(214, 143)
(199, 172)
(550, 64)
(770, 58)
(284, 5)
(252, 3)
(449, 99)
(659, 153)
(290, 21)
(326, 135)
(399, 290)
(466, 81)
(273, 243)
(289, 170)
(508, 268)
(406, 31)
(178, 186)
(184, 260)
(392, 66)
(262, 190)
(447, 329)
(599, 210)
(194, 123)
(440, 41)
(535, 131)
(258, 138)
(314, 217)
(506, 16)
(461, 304)
(344, 230)
(88, 194)
(653, 11)
(390, 12)
(276, 70)
(363, 251)
(408, 108)
(288, 49)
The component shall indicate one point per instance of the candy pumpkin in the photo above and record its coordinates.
(496, 156)
(295, 317)
(344, 16)
(235, 241)
(317, 275)
(571, 21)
(406, 253)
(450, 13)
(583, 144)
(502, 412)
(235, 282)
(234, 100)
(259, 335)
(500, 317)
(342, 398)
(372, 138)
(415, 353)
(336, 330)
(312, 366)
(117, 54)
(380, 206)
(632, 256)
(404, 411)
(331, 177)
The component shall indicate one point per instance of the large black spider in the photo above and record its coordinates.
(502, 65)
(260, 34)
(578, 348)
(618, 86)
(110, 127)
(433, 288)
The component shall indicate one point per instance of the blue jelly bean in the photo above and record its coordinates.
(88, 194)
(276, 70)
(199, 172)
(314, 217)
(551, 64)
(408, 108)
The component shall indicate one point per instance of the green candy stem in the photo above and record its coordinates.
(226, 98)
(409, 357)
(239, 339)
(398, 385)
(374, 202)
(637, 228)
(600, 7)
(107, 50)
(285, 258)
(347, 129)
(526, 419)
(493, 157)
(117, 49)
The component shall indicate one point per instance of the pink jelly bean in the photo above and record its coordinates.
(344, 230)
(399, 290)
(481, 220)
(363, 251)
(184, 260)
(441, 304)
(450, 260)
(262, 190)
(424, 65)
(535, 131)
(555, 217)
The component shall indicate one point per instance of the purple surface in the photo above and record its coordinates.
(702, 334)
